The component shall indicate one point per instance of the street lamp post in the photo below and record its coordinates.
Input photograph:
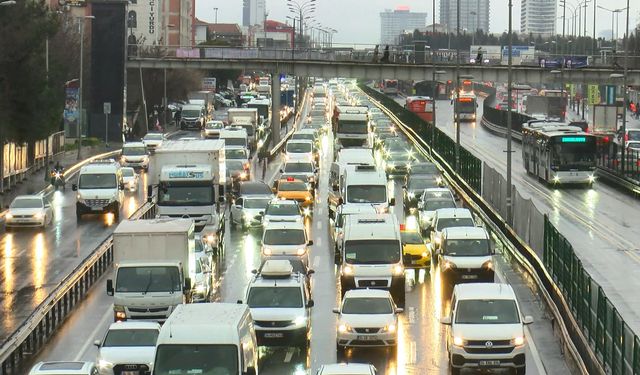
(626, 93)
(509, 116)
(80, 109)
(4, 3)
(456, 107)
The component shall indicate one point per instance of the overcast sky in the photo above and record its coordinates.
(358, 21)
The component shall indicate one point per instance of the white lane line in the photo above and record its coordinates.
(92, 337)
(412, 315)
(413, 353)
(316, 261)
(319, 225)
(287, 358)
(319, 242)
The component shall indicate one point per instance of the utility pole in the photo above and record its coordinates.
(509, 117)
(435, 90)
(626, 93)
(80, 107)
(456, 107)
(46, 140)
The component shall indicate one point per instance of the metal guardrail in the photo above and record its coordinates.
(34, 333)
(573, 340)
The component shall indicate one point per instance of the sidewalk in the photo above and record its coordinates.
(36, 182)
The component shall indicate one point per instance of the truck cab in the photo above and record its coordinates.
(192, 117)
(351, 126)
(99, 189)
(234, 136)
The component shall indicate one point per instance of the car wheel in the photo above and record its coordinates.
(341, 352)
(520, 370)
(78, 215)
(454, 370)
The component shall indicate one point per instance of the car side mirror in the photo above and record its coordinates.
(334, 187)
(446, 320)
(420, 205)
(392, 202)
(336, 310)
(399, 310)
(340, 201)
(281, 170)
(74, 187)
(310, 243)
(121, 186)
(404, 187)
(274, 190)
(310, 303)
(254, 271)
(187, 285)
(310, 272)
(492, 247)
(109, 287)
(48, 205)
(528, 319)
(221, 199)
(239, 302)
(97, 343)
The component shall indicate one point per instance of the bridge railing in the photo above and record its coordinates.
(359, 54)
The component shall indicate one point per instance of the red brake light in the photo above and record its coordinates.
(626, 137)
(402, 227)
(289, 179)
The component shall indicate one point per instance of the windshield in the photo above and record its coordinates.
(372, 251)
(127, 172)
(134, 151)
(185, 195)
(467, 106)
(292, 186)
(354, 127)
(309, 137)
(466, 247)
(369, 305)
(153, 137)
(298, 167)
(436, 204)
(186, 359)
(581, 152)
(412, 238)
(422, 183)
(450, 222)
(148, 279)
(256, 203)
(487, 312)
(424, 169)
(633, 135)
(284, 237)
(253, 188)
(366, 193)
(97, 181)
(299, 147)
(131, 337)
(235, 153)
(283, 297)
(235, 142)
(282, 209)
(190, 113)
(234, 165)
(214, 125)
(27, 203)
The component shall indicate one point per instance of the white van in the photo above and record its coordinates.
(365, 185)
(99, 188)
(207, 338)
(235, 137)
(466, 255)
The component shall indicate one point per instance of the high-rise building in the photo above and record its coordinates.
(254, 12)
(394, 23)
(538, 17)
(474, 15)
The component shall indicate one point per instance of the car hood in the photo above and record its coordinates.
(283, 249)
(106, 193)
(487, 331)
(367, 320)
(467, 262)
(128, 354)
(269, 313)
(268, 218)
(25, 211)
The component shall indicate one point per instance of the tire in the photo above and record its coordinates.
(341, 352)
(78, 215)
(454, 370)
(520, 370)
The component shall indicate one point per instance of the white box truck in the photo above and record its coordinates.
(189, 176)
(154, 261)
(246, 118)
(207, 338)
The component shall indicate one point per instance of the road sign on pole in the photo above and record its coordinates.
(107, 111)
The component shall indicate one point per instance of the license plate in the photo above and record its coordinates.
(469, 277)
(489, 363)
(96, 208)
(273, 335)
(129, 373)
(367, 338)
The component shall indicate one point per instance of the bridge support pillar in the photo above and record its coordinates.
(275, 108)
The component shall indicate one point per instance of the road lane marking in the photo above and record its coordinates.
(411, 317)
(319, 242)
(287, 358)
(316, 261)
(94, 333)
(319, 225)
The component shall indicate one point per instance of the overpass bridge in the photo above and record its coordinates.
(329, 64)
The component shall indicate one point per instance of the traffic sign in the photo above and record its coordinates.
(106, 108)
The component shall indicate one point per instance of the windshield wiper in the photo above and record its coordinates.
(146, 289)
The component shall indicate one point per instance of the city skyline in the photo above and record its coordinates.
(339, 15)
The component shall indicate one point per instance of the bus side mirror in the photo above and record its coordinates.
(109, 287)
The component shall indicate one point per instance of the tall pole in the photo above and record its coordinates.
(509, 104)
(164, 99)
(435, 92)
(80, 117)
(216, 18)
(593, 39)
(626, 93)
(456, 107)
(46, 140)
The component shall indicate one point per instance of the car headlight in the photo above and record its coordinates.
(518, 341)
(447, 265)
(592, 178)
(300, 320)
(398, 270)
(301, 251)
(8, 216)
(119, 312)
(425, 254)
(307, 211)
(438, 180)
(123, 159)
(488, 265)
(344, 328)
(438, 239)
(391, 166)
(37, 215)
(131, 183)
(412, 195)
(347, 270)
(458, 341)
(105, 364)
(391, 328)
(243, 175)
(267, 251)
(200, 288)
(308, 198)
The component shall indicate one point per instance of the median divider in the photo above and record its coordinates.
(275, 150)
(584, 359)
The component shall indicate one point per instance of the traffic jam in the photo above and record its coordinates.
(347, 254)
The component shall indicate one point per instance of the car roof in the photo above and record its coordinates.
(453, 212)
(465, 232)
(134, 325)
(133, 144)
(62, 367)
(373, 293)
(284, 224)
(34, 196)
(473, 291)
(289, 202)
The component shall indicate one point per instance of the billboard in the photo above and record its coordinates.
(519, 54)
(70, 113)
(209, 84)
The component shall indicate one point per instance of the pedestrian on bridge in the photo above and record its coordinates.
(375, 54)
(385, 55)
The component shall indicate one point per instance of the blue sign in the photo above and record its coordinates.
(573, 62)
(574, 139)
(611, 94)
(550, 62)
(186, 174)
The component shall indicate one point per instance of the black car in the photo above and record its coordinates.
(252, 188)
(413, 189)
(426, 169)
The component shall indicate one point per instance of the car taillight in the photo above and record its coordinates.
(626, 137)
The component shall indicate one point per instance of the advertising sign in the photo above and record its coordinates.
(70, 113)
(593, 94)
(209, 84)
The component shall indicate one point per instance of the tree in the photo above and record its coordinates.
(31, 104)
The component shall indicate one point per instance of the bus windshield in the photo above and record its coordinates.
(573, 152)
(467, 106)
(354, 127)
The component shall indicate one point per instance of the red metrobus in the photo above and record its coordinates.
(421, 106)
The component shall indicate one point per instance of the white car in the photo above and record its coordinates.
(299, 150)
(247, 211)
(29, 211)
(130, 178)
(282, 210)
(153, 140)
(128, 347)
(134, 154)
(64, 368)
(366, 318)
(486, 328)
(285, 239)
(212, 129)
(347, 369)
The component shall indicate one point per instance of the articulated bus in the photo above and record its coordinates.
(390, 87)
(467, 105)
(467, 87)
(558, 153)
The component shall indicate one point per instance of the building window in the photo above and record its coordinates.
(132, 19)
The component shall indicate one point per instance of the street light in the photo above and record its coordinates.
(81, 20)
(616, 12)
(509, 114)
(303, 9)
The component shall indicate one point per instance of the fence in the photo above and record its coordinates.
(469, 167)
(615, 344)
(18, 159)
(33, 334)
(611, 157)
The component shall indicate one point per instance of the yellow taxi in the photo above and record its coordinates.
(294, 189)
(415, 253)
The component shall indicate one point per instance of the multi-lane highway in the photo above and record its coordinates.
(593, 220)
(421, 349)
